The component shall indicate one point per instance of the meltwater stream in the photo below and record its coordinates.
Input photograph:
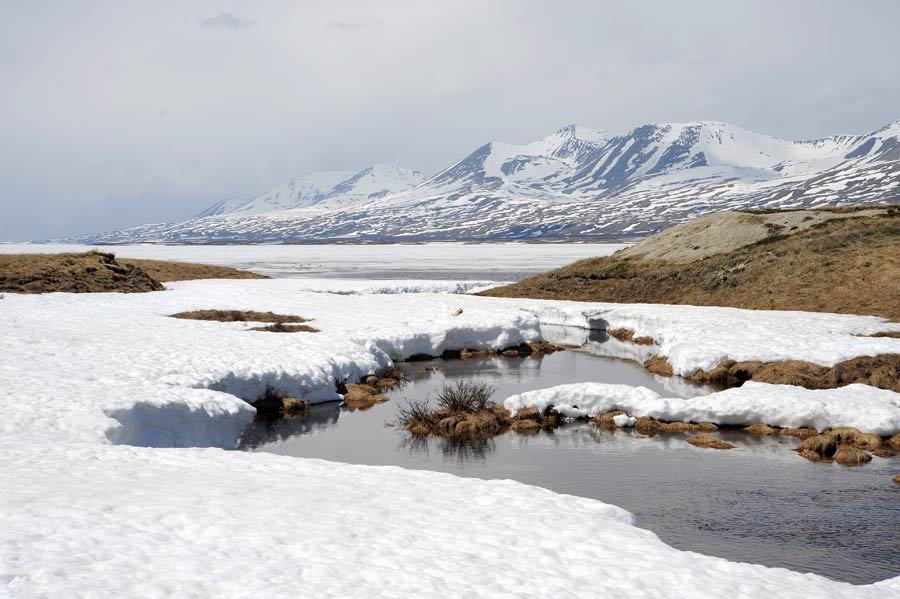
(758, 503)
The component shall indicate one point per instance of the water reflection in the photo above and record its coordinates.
(759, 502)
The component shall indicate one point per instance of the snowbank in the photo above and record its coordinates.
(120, 521)
(867, 408)
(108, 366)
(698, 338)
(116, 366)
(84, 516)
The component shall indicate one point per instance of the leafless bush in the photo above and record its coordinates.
(466, 396)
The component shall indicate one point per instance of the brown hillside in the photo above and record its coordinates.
(93, 272)
(847, 265)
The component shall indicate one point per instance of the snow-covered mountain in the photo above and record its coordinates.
(334, 189)
(574, 183)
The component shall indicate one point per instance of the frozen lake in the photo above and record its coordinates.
(493, 261)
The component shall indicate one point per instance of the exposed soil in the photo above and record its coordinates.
(98, 272)
(850, 265)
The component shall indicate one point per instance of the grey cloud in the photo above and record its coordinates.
(324, 85)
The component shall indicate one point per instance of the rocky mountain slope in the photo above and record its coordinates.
(574, 183)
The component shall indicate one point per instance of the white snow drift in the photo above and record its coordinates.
(83, 516)
(864, 407)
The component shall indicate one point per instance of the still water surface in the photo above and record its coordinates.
(758, 503)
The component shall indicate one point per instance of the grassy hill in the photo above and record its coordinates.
(844, 261)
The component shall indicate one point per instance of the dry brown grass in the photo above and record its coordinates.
(894, 442)
(465, 412)
(239, 316)
(628, 336)
(709, 441)
(881, 371)
(847, 435)
(847, 455)
(823, 445)
(659, 364)
(847, 266)
(605, 420)
(97, 272)
(280, 327)
(165, 271)
(362, 397)
(90, 272)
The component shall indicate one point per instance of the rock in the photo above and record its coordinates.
(823, 445)
(457, 312)
(847, 455)
(896, 479)
(883, 453)
(709, 441)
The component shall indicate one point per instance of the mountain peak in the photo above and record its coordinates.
(580, 132)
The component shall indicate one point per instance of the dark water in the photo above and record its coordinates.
(758, 503)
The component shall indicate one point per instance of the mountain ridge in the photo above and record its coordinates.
(575, 183)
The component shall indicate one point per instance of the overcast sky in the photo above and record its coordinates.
(117, 113)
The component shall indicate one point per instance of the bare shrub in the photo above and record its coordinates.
(416, 413)
(466, 396)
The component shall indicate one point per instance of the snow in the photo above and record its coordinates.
(695, 338)
(420, 261)
(573, 183)
(106, 490)
(866, 408)
(107, 521)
